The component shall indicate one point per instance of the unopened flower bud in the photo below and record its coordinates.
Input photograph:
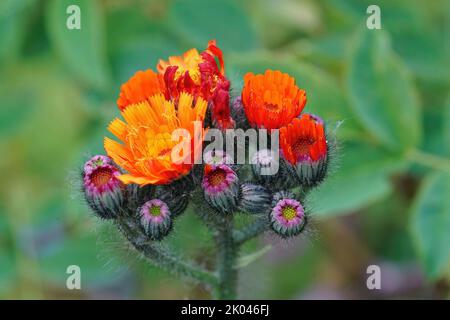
(177, 199)
(215, 157)
(272, 171)
(155, 219)
(288, 218)
(104, 192)
(221, 187)
(284, 194)
(254, 198)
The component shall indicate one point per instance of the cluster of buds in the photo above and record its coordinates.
(140, 180)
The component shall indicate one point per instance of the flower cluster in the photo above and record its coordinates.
(150, 176)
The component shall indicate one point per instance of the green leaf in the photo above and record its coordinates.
(446, 127)
(325, 97)
(139, 44)
(278, 22)
(82, 50)
(8, 273)
(430, 224)
(11, 34)
(17, 106)
(224, 20)
(382, 93)
(361, 179)
(97, 262)
(11, 7)
(412, 24)
(252, 257)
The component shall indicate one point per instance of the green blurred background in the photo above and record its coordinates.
(387, 203)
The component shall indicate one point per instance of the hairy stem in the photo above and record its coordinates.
(161, 256)
(226, 257)
(175, 265)
(253, 230)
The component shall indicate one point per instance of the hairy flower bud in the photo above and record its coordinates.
(305, 148)
(176, 198)
(254, 198)
(288, 217)
(103, 190)
(283, 194)
(216, 157)
(155, 219)
(272, 171)
(221, 187)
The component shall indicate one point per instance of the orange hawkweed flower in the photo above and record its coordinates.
(141, 86)
(303, 140)
(304, 145)
(146, 133)
(198, 74)
(271, 100)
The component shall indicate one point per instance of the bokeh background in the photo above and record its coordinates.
(387, 202)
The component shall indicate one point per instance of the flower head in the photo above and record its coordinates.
(102, 188)
(304, 145)
(140, 87)
(271, 100)
(100, 175)
(148, 148)
(288, 217)
(198, 74)
(155, 219)
(221, 187)
(303, 140)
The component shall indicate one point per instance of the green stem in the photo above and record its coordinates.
(161, 256)
(251, 231)
(429, 160)
(175, 265)
(226, 257)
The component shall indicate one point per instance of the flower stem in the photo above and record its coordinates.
(175, 265)
(161, 256)
(251, 231)
(429, 160)
(226, 257)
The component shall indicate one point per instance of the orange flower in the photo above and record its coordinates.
(140, 87)
(271, 100)
(146, 152)
(303, 140)
(198, 74)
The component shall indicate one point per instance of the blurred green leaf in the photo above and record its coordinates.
(8, 270)
(415, 27)
(244, 261)
(430, 223)
(11, 35)
(224, 20)
(280, 21)
(85, 251)
(12, 7)
(82, 50)
(8, 273)
(139, 44)
(361, 179)
(325, 97)
(17, 105)
(446, 126)
(382, 93)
